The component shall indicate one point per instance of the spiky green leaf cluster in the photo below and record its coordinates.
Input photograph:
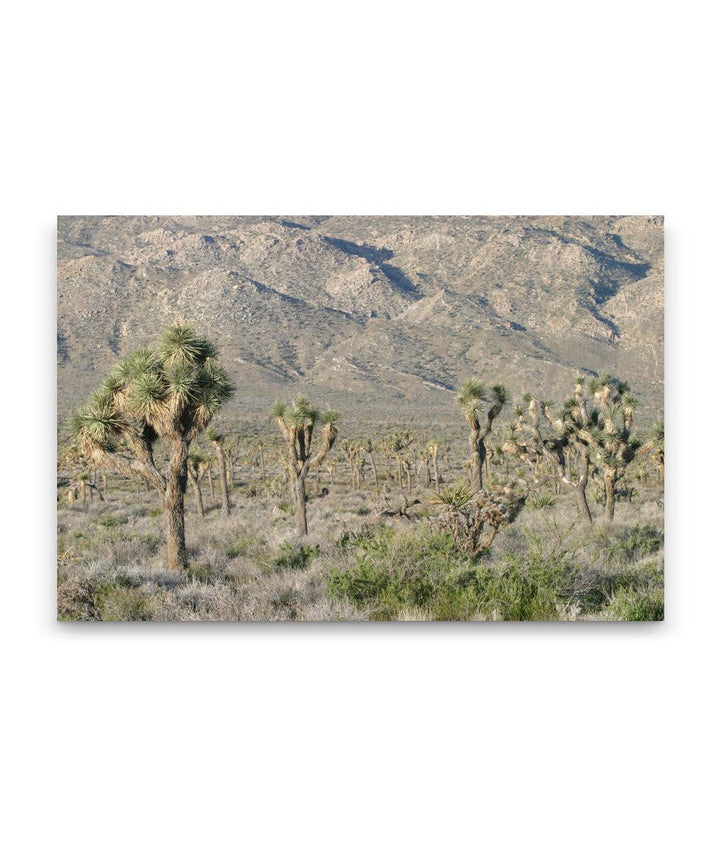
(176, 388)
(471, 394)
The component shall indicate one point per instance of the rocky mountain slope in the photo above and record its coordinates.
(383, 314)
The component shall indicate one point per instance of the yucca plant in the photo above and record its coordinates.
(470, 398)
(353, 453)
(566, 439)
(218, 443)
(655, 447)
(473, 518)
(395, 446)
(297, 423)
(370, 448)
(610, 417)
(197, 467)
(433, 447)
(168, 393)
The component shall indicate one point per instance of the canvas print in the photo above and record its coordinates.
(357, 418)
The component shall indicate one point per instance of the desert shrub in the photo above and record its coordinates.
(541, 500)
(110, 522)
(149, 544)
(295, 555)
(639, 542)
(609, 592)
(631, 604)
(244, 545)
(101, 598)
(124, 604)
(395, 573)
(528, 586)
(154, 512)
(200, 572)
(350, 539)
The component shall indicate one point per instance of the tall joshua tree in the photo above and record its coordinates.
(432, 450)
(168, 393)
(297, 423)
(470, 398)
(197, 466)
(655, 447)
(218, 442)
(567, 438)
(610, 427)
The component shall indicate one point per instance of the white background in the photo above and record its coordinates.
(358, 739)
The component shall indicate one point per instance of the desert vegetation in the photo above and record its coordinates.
(556, 514)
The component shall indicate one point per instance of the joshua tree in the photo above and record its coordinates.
(218, 441)
(433, 448)
(473, 518)
(297, 423)
(369, 448)
(396, 445)
(470, 397)
(568, 437)
(169, 393)
(610, 420)
(655, 447)
(197, 465)
(353, 453)
(425, 466)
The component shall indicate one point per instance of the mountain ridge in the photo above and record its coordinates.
(388, 312)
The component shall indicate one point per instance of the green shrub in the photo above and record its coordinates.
(200, 573)
(393, 572)
(540, 500)
(629, 604)
(125, 604)
(154, 512)
(295, 555)
(639, 542)
(244, 545)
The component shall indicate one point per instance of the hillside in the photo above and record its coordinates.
(386, 314)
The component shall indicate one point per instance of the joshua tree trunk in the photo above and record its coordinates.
(581, 486)
(610, 477)
(222, 468)
(175, 505)
(477, 451)
(374, 470)
(436, 476)
(198, 496)
(212, 484)
(301, 506)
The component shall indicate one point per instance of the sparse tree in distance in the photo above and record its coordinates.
(218, 440)
(433, 448)
(610, 427)
(197, 466)
(370, 448)
(168, 393)
(470, 397)
(297, 424)
(655, 447)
